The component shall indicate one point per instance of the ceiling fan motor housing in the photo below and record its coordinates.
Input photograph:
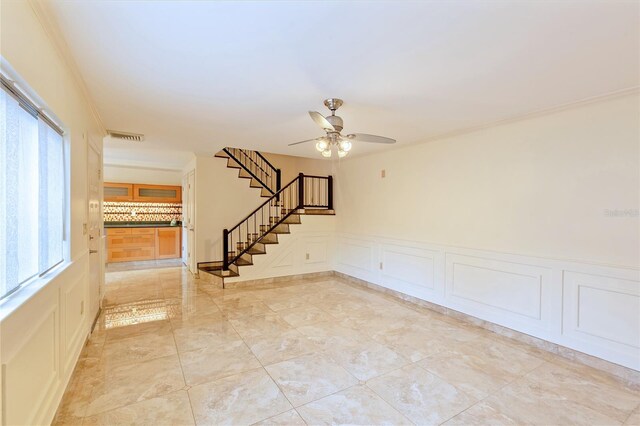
(335, 121)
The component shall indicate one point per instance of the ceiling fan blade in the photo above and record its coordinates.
(308, 140)
(321, 121)
(363, 137)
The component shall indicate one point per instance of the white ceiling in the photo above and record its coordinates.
(201, 75)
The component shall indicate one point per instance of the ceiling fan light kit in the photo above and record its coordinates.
(333, 125)
(322, 145)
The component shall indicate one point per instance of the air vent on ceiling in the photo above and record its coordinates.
(133, 137)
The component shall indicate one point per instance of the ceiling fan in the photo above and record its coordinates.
(332, 124)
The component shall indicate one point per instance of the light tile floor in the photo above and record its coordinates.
(170, 349)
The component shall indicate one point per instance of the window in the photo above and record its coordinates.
(31, 190)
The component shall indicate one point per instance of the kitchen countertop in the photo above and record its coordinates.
(141, 225)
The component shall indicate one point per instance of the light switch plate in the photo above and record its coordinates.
(383, 173)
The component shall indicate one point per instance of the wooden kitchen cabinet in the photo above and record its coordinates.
(118, 191)
(131, 254)
(129, 241)
(148, 243)
(118, 231)
(143, 231)
(142, 193)
(157, 193)
(128, 244)
(168, 243)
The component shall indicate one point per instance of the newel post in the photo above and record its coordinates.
(330, 193)
(301, 191)
(225, 249)
(278, 180)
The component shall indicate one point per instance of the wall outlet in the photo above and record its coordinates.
(307, 256)
(383, 173)
(380, 265)
(82, 307)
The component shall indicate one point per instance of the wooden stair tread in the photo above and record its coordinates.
(243, 262)
(318, 212)
(217, 271)
(225, 274)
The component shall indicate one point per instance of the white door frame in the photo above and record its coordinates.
(97, 243)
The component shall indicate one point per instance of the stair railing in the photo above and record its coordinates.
(305, 191)
(258, 167)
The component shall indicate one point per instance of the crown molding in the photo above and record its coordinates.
(540, 112)
(514, 119)
(43, 13)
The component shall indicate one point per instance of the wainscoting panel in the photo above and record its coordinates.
(593, 309)
(506, 293)
(315, 250)
(602, 315)
(74, 308)
(408, 270)
(31, 373)
(283, 260)
(356, 257)
(41, 341)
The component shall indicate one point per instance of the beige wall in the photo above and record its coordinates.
(44, 327)
(222, 200)
(536, 187)
(291, 166)
(133, 174)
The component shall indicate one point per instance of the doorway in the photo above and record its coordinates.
(96, 272)
(188, 221)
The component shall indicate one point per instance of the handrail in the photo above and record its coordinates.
(258, 167)
(253, 175)
(253, 161)
(265, 160)
(263, 204)
(317, 177)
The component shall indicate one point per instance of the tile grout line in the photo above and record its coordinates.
(184, 378)
(144, 361)
(265, 370)
(631, 414)
(387, 402)
(281, 390)
(495, 392)
(164, 299)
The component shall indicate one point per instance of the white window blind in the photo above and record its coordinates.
(32, 196)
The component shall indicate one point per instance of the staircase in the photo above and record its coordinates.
(252, 165)
(304, 195)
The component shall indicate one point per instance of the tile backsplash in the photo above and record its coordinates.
(126, 211)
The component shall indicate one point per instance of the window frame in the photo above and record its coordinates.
(16, 87)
